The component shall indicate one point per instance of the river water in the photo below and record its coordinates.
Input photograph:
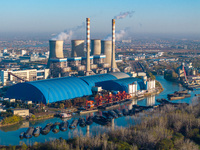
(10, 135)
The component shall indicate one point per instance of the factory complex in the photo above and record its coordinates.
(99, 57)
(66, 88)
(80, 75)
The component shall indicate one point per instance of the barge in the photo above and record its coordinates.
(101, 120)
(64, 126)
(36, 131)
(55, 127)
(73, 124)
(46, 129)
(28, 134)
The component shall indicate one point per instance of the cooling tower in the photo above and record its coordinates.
(88, 44)
(56, 49)
(77, 48)
(106, 47)
(113, 63)
(95, 47)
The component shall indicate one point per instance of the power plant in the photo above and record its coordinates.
(88, 46)
(84, 73)
(113, 64)
(99, 57)
(77, 48)
(95, 47)
(56, 49)
(106, 47)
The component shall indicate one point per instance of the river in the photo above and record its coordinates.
(10, 135)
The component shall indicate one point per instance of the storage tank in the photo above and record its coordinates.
(106, 47)
(56, 49)
(95, 47)
(77, 48)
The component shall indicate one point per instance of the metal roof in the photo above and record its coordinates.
(91, 80)
(121, 84)
(56, 89)
(119, 75)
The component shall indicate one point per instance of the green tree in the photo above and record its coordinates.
(61, 105)
(164, 144)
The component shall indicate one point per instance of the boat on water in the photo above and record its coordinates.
(113, 114)
(162, 100)
(132, 112)
(101, 120)
(81, 122)
(21, 136)
(64, 126)
(55, 127)
(73, 124)
(46, 129)
(125, 112)
(176, 97)
(181, 92)
(36, 131)
(197, 94)
(119, 113)
(107, 115)
(89, 120)
(28, 134)
(65, 115)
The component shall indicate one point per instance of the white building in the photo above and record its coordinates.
(22, 75)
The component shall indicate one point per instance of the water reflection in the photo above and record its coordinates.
(151, 100)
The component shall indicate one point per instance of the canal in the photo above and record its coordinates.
(10, 135)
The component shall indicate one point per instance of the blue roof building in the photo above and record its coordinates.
(58, 89)
(50, 90)
(121, 84)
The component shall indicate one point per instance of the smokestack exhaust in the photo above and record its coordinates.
(113, 46)
(88, 45)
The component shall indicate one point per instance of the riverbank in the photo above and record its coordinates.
(36, 118)
(9, 121)
(158, 129)
(158, 90)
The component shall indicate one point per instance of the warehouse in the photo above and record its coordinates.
(58, 89)
(121, 84)
(50, 90)
(91, 80)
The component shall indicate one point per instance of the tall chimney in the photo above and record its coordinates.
(113, 66)
(88, 44)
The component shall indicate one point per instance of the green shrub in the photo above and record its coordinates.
(164, 144)
(177, 136)
(11, 119)
(192, 133)
(123, 146)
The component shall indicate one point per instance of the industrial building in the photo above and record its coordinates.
(66, 88)
(21, 112)
(8, 77)
(122, 84)
(98, 58)
(92, 67)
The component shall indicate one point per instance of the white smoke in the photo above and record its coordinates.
(118, 35)
(123, 15)
(63, 36)
(67, 34)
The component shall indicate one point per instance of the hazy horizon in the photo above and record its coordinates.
(166, 17)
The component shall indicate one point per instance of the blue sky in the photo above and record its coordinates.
(151, 16)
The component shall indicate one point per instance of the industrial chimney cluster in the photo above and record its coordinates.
(99, 56)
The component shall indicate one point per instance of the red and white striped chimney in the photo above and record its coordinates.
(113, 46)
(88, 44)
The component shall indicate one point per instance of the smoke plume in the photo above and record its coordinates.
(118, 35)
(123, 15)
(67, 34)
